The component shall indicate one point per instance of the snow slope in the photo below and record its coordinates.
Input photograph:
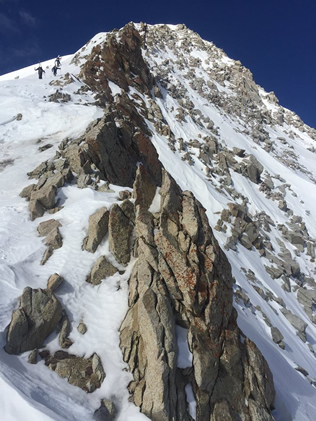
(35, 393)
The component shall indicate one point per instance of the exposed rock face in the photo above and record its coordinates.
(122, 63)
(120, 231)
(182, 277)
(120, 139)
(37, 316)
(98, 228)
(86, 373)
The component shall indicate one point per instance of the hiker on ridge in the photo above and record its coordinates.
(54, 70)
(57, 61)
(40, 71)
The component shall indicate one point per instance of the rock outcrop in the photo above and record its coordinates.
(86, 373)
(37, 317)
(182, 277)
(98, 228)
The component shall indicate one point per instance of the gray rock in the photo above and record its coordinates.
(98, 228)
(46, 227)
(54, 239)
(54, 282)
(47, 254)
(86, 373)
(65, 328)
(39, 170)
(254, 169)
(296, 322)
(277, 336)
(302, 370)
(106, 412)
(307, 297)
(45, 195)
(84, 180)
(26, 192)
(173, 281)
(125, 194)
(36, 209)
(37, 317)
(120, 232)
(82, 328)
(32, 359)
(101, 269)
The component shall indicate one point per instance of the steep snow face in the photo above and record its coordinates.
(207, 122)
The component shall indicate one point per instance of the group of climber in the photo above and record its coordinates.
(57, 66)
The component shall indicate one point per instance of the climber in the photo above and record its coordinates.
(40, 71)
(54, 70)
(57, 61)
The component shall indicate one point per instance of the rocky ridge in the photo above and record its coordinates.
(181, 279)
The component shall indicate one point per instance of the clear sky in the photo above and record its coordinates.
(275, 39)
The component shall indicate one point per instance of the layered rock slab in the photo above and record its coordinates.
(182, 277)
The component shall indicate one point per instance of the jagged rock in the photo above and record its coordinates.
(302, 370)
(98, 228)
(296, 322)
(59, 97)
(84, 180)
(39, 170)
(36, 209)
(78, 158)
(283, 205)
(120, 231)
(26, 192)
(106, 412)
(125, 194)
(307, 298)
(86, 373)
(254, 169)
(37, 316)
(45, 227)
(45, 147)
(82, 328)
(182, 276)
(310, 250)
(65, 328)
(54, 282)
(101, 269)
(45, 197)
(277, 336)
(274, 272)
(54, 239)
(32, 359)
(47, 254)
(239, 152)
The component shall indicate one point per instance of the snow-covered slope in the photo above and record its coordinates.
(208, 105)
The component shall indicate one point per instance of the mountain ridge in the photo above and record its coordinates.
(222, 135)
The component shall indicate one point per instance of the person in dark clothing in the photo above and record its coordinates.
(54, 70)
(57, 61)
(40, 71)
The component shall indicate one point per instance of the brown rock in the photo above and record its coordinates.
(54, 282)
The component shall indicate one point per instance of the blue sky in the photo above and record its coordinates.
(275, 39)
